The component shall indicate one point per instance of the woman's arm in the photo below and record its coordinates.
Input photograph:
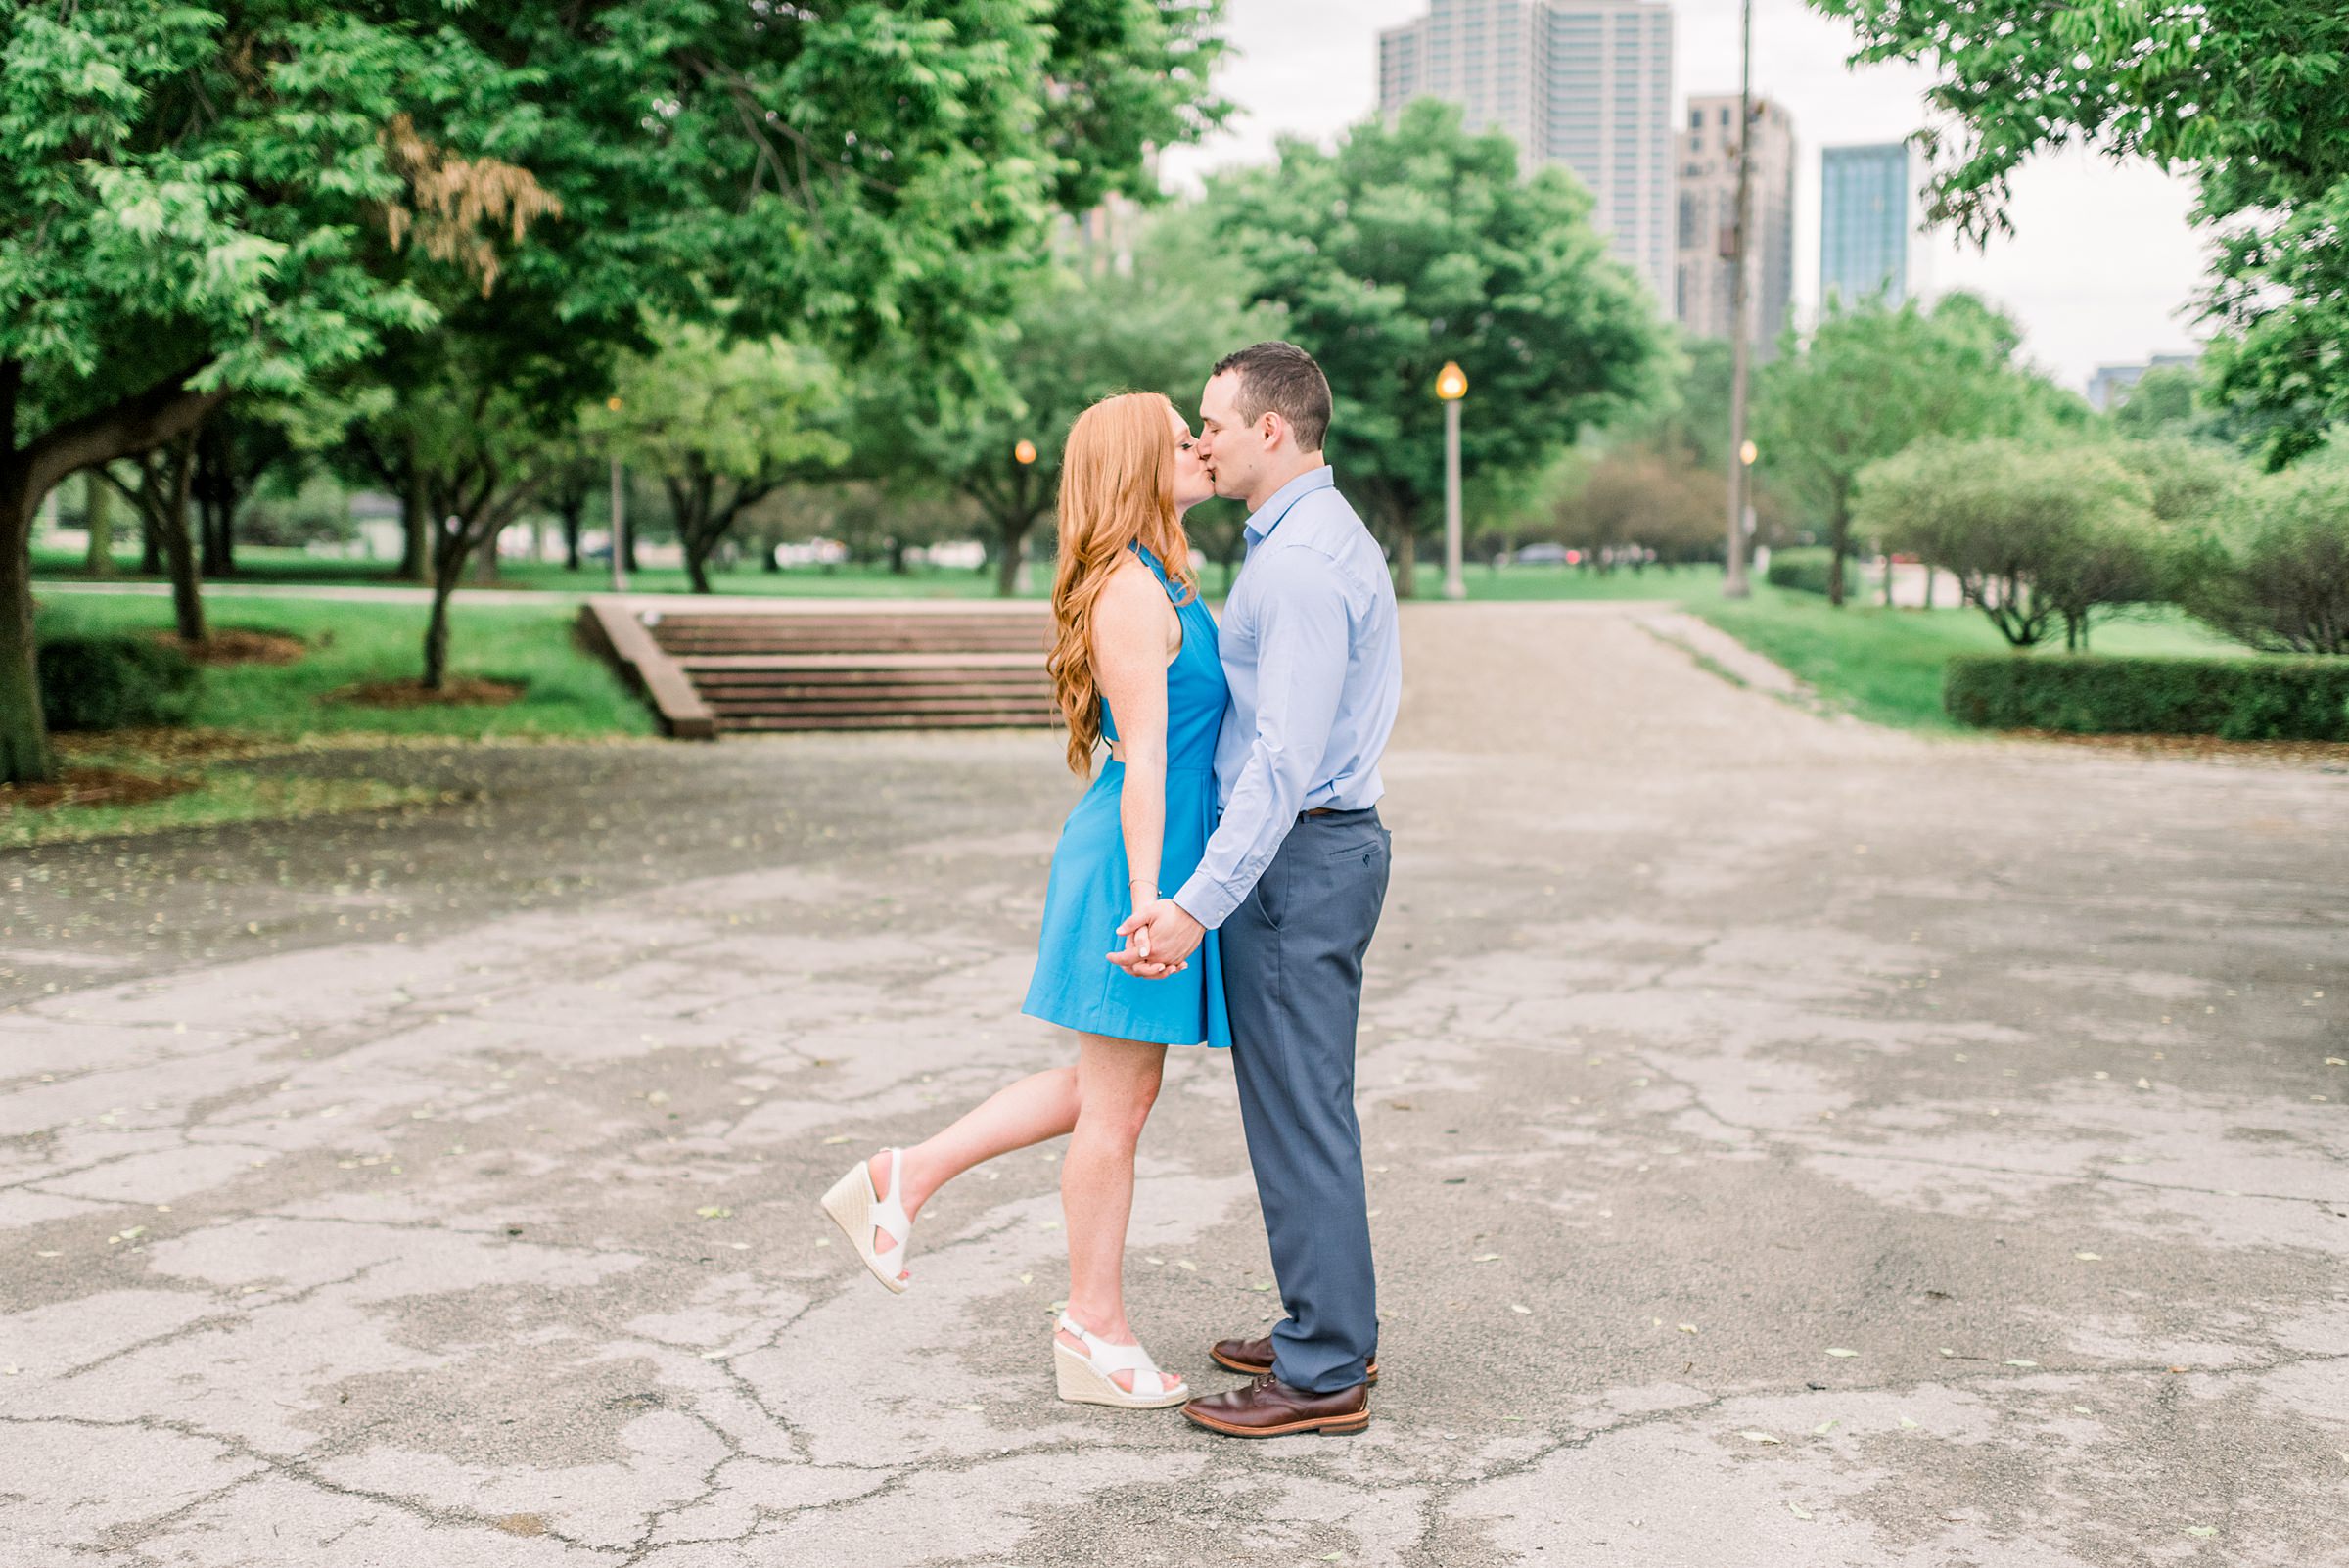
(1129, 666)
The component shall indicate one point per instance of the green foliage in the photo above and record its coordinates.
(2034, 536)
(2234, 699)
(1418, 243)
(2185, 481)
(114, 682)
(1801, 570)
(1873, 379)
(722, 426)
(2272, 572)
(1636, 498)
(2246, 94)
(1084, 331)
(261, 198)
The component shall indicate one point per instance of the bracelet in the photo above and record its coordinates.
(1142, 881)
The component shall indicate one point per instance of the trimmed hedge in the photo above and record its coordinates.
(2234, 698)
(114, 682)
(1804, 570)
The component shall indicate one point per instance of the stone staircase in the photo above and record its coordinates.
(764, 664)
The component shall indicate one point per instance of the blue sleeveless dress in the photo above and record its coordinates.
(1086, 900)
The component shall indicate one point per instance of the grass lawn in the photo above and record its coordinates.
(566, 690)
(246, 711)
(1887, 665)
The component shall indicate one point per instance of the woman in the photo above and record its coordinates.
(1134, 663)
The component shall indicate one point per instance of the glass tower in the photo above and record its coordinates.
(1864, 225)
(1587, 83)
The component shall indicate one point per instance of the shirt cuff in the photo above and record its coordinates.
(1204, 901)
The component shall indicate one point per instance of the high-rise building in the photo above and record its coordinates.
(1704, 273)
(1866, 224)
(1587, 83)
(2110, 386)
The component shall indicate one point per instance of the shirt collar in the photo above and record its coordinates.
(1268, 516)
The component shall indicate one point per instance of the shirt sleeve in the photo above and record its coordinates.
(1302, 649)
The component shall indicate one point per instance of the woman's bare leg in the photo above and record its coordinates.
(1040, 1106)
(1118, 1081)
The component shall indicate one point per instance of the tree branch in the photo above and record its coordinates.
(163, 412)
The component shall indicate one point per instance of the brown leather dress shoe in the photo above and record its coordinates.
(1270, 1407)
(1254, 1357)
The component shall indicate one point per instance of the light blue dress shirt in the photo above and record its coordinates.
(1315, 669)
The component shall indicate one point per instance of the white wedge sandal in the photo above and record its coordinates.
(1089, 1378)
(859, 1211)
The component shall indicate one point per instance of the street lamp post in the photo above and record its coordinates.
(620, 515)
(1732, 582)
(1023, 454)
(1451, 385)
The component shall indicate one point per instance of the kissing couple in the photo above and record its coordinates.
(1242, 772)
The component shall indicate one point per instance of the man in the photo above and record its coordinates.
(1294, 876)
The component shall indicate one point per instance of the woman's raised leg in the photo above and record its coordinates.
(1040, 1106)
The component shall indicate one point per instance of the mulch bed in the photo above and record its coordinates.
(2329, 755)
(459, 691)
(93, 786)
(233, 645)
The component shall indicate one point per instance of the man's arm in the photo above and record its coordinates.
(1302, 649)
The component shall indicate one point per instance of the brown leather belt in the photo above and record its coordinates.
(1319, 811)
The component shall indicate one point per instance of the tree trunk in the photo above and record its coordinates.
(150, 546)
(697, 563)
(168, 474)
(216, 497)
(1839, 544)
(98, 501)
(25, 756)
(447, 571)
(1011, 553)
(417, 525)
(1406, 559)
(574, 507)
(1888, 580)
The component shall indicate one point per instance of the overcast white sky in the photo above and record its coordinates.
(2101, 267)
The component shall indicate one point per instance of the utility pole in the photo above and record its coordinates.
(620, 515)
(1733, 584)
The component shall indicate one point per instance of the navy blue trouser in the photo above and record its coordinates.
(1292, 956)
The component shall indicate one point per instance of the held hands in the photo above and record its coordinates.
(1159, 939)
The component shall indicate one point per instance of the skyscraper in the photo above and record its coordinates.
(1704, 276)
(1866, 218)
(1587, 83)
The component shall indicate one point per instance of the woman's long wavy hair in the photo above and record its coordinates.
(1117, 488)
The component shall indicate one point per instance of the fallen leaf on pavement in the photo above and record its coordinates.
(1760, 1437)
(1798, 1510)
(1838, 1350)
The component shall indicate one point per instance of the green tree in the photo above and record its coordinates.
(2273, 571)
(251, 197)
(1871, 379)
(722, 423)
(1087, 328)
(1413, 245)
(2246, 94)
(2036, 535)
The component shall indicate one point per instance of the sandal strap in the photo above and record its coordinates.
(888, 1214)
(1109, 1359)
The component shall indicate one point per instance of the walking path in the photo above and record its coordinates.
(1792, 1144)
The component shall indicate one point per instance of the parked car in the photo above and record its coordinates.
(1541, 555)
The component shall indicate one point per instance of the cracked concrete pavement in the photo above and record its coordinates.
(1792, 1144)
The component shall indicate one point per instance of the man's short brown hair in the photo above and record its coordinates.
(1280, 378)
